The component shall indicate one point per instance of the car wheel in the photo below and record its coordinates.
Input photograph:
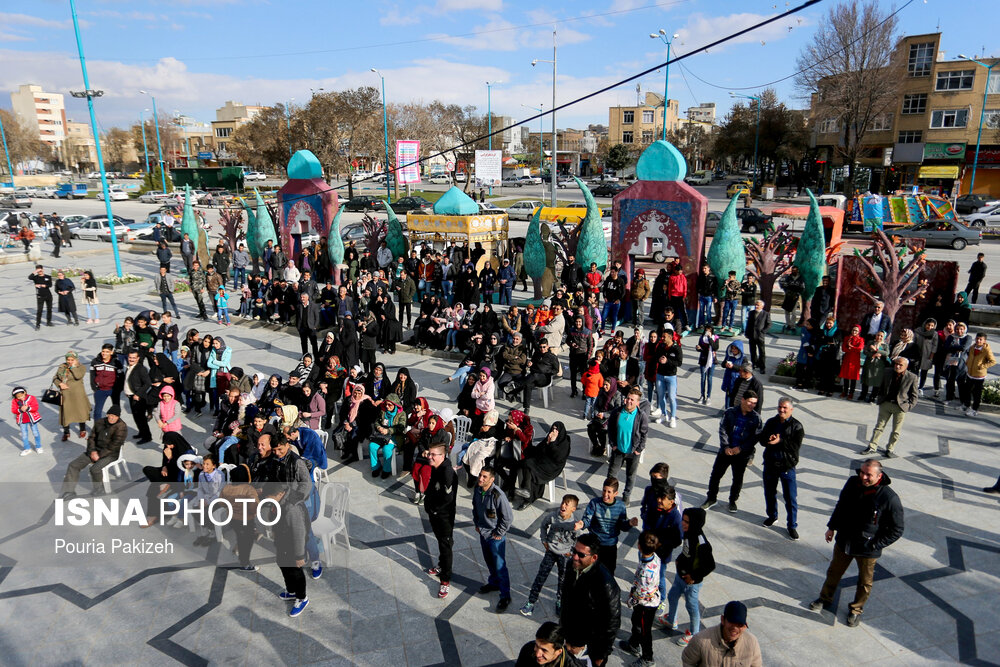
(959, 244)
(659, 257)
(977, 223)
(752, 228)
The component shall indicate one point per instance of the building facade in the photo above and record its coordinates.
(79, 151)
(227, 118)
(641, 125)
(42, 112)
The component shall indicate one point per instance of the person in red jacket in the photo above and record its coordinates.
(677, 289)
(26, 414)
(593, 281)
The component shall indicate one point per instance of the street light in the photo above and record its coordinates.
(90, 95)
(756, 136)
(540, 109)
(145, 151)
(982, 116)
(159, 148)
(10, 168)
(385, 134)
(288, 124)
(555, 151)
(662, 36)
(489, 116)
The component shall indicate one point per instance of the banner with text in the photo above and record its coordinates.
(489, 167)
(407, 152)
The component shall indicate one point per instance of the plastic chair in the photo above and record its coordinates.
(544, 390)
(324, 437)
(326, 528)
(551, 487)
(119, 467)
(463, 425)
(320, 475)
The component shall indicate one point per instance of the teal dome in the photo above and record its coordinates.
(456, 202)
(661, 162)
(304, 166)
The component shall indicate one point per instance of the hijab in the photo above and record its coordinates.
(222, 346)
(289, 415)
(355, 405)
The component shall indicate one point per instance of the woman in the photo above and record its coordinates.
(850, 364)
(335, 375)
(452, 322)
(425, 321)
(434, 434)
(490, 322)
(466, 404)
(167, 474)
(649, 358)
(286, 415)
(876, 362)
(907, 347)
(356, 415)
(405, 389)
(67, 304)
(314, 414)
(492, 352)
(326, 349)
(512, 449)
(90, 298)
(196, 379)
(708, 347)
(542, 463)
(608, 399)
(827, 356)
(270, 396)
(487, 282)
(347, 342)
(485, 394)
(74, 407)
(368, 331)
(390, 330)
(219, 362)
(940, 354)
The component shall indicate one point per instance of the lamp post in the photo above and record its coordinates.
(145, 151)
(540, 109)
(756, 136)
(489, 116)
(90, 95)
(662, 36)
(10, 168)
(385, 134)
(555, 151)
(982, 115)
(288, 124)
(159, 147)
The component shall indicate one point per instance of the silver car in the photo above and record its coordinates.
(941, 234)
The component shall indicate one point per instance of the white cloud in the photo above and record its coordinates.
(13, 37)
(500, 34)
(469, 5)
(700, 30)
(34, 21)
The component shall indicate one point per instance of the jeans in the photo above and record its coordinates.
(631, 462)
(545, 567)
(451, 339)
(388, 451)
(789, 490)
(446, 289)
(461, 374)
(706, 380)
(222, 314)
(728, 312)
(169, 296)
(666, 388)
(704, 310)
(92, 312)
(610, 315)
(239, 276)
(588, 406)
(495, 555)
(421, 286)
(505, 293)
(100, 396)
(28, 428)
(690, 593)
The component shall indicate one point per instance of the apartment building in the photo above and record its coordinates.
(227, 118)
(641, 125)
(42, 112)
(79, 150)
(928, 138)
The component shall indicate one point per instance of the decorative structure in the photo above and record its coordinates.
(394, 234)
(770, 258)
(189, 226)
(306, 204)
(660, 206)
(875, 211)
(264, 225)
(232, 226)
(534, 254)
(727, 252)
(810, 256)
(456, 217)
(893, 282)
(591, 246)
(335, 246)
(375, 231)
(251, 236)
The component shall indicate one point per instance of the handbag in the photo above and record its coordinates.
(52, 396)
(222, 379)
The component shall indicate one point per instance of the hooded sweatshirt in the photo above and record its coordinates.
(695, 559)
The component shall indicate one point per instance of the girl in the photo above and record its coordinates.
(405, 388)
(168, 412)
(731, 364)
(850, 365)
(26, 415)
(90, 298)
(707, 346)
(222, 306)
(316, 409)
(649, 357)
(485, 394)
(219, 360)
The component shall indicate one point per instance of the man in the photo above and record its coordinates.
(103, 447)
(383, 255)
(748, 298)
(627, 429)
(738, 431)
(55, 233)
(976, 274)
(677, 288)
(572, 275)
(290, 485)
(213, 280)
(613, 291)
(513, 358)
(493, 516)
(137, 384)
(241, 259)
(538, 372)
(187, 253)
(506, 278)
(163, 283)
(440, 502)
(199, 283)
(896, 397)
(874, 322)
(707, 286)
(782, 439)
(581, 348)
(793, 286)
(745, 381)
(105, 373)
(307, 322)
(511, 323)
(43, 295)
(591, 602)
(639, 293)
(758, 326)
(867, 518)
(728, 643)
(405, 288)
(548, 649)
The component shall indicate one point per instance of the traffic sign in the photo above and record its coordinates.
(449, 166)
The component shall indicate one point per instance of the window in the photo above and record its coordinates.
(910, 137)
(628, 117)
(223, 132)
(960, 79)
(993, 84)
(950, 118)
(914, 104)
(991, 118)
(647, 136)
(882, 123)
(626, 137)
(828, 125)
(920, 60)
(647, 116)
(221, 146)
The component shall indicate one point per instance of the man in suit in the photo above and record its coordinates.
(307, 322)
(758, 324)
(137, 385)
(896, 397)
(874, 322)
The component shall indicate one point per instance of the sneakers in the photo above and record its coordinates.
(793, 534)
(443, 589)
(298, 607)
(39, 450)
(528, 609)
(867, 451)
(816, 605)
(655, 413)
(769, 522)
(625, 499)
(502, 605)
(286, 596)
(937, 392)
(433, 571)
(25, 452)
(317, 569)
(417, 498)
(673, 422)
(684, 639)
(853, 620)
(992, 489)
(628, 648)
(920, 393)
(708, 503)
(667, 623)
(659, 420)
(970, 413)
(250, 568)
(732, 507)
(642, 662)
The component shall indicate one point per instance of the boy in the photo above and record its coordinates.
(644, 599)
(24, 406)
(222, 306)
(732, 287)
(606, 517)
(659, 476)
(592, 381)
(559, 534)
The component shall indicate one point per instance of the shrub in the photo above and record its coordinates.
(113, 279)
(991, 392)
(786, 367)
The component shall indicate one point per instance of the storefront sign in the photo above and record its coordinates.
(943, 171)
(951, 151)
(986, 155)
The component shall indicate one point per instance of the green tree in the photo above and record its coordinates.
(726, 253)
(810, 256)
(151, 182)
(263, 141)
(619, 157)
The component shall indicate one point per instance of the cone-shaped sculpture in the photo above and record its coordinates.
(394, 233)
(252, 246)
(810, 256)
(591, 246)
(534, 252)
(335, 244)
(264, 225)
(189, 225)
(727, 253)
(456, 202)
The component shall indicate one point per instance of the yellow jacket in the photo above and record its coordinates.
(979, 362)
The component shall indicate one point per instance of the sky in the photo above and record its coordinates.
(194, 55)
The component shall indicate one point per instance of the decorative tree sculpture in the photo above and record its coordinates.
(810, 255)
(726, 253)
(591, 246)
(394, 234)
(534, 253)
(375, 231)
(891, 281)
(771, 257)
(264, 225)
(189, 225)
(335, 246)
(252, 246)
(232, 227)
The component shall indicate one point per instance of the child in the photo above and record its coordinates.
(222, 306)
(731, 364)
(659, 478)
(559, 534)
(643, 599)
(592, 381)
(245, 298)
(210, 483)
(607, 517)
(693, 565)
(732, 287)
(707, 346)
(26, 414)
(850, 365)
(168, 412)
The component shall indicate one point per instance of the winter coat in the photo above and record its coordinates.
(866, 520)
(874, 368)
(850, 365)
(74, 407)
(928, 343)
(979, 362)
(30, 414)
(591, 609)
(730, 374)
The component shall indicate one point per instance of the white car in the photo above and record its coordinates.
(96, 229)
(439, 179)
(988, 216)
(512, 182)
(489, 208)
(523, 210)
(533, 180)
(116, 194)
(48, 192)
(460, 177)
(254, 176)
(160, 198)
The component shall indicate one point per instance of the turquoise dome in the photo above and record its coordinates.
(456, 202)
(661, 162)
(304, 166)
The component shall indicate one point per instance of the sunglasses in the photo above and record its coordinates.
(579, 554)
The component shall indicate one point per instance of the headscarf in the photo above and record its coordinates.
(222, 346)
(352, 411)
(289, 416)
(609, 396)
(491, 418)
(523, 422)
(485, 369)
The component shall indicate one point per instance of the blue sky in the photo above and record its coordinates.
(196, 54)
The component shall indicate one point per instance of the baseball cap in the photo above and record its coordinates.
(735, 612)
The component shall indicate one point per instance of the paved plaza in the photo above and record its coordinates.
(934, 599)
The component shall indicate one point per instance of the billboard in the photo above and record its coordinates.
(944, 151)
(407, 167)
(489, 167)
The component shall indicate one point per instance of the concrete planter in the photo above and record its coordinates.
(106, 286)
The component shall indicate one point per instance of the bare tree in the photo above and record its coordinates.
(116, 143)
(851, 72)
(263, 142)
(23, 143)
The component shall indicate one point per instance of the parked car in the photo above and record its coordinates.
(460, 177)
(534, 180)
(753, 219)
(512, 182)
(988, 216)
(741, 187)
(94, 175)
(48, 192)
(606, 190)
(15, 200)
(254, 176)
(941, 234)
(712, 222)
(136, 174)
(439, 179)
(698, 178)
(966, 204)
(364, 203)
(489, 208)
(562, 181)
(115, 194)
(407, 204)
(71, 190)
(523, 210)
(95, 228)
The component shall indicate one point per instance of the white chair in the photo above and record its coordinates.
(552, 486)
(463, 425)
(226, 469)
(326, 528)
(320, 475)
(119, 467)
(544, 390)
(323, 437)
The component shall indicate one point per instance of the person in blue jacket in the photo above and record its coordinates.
(606, 517)
(731, 367)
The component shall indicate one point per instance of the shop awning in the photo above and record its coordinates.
(938, 171)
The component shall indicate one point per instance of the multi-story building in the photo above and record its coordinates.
(928, 138)
(703, 113)
(79, 151)
(41, 112)
(511, 139)
(193, 139)
(227, 118)
(641, 125)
